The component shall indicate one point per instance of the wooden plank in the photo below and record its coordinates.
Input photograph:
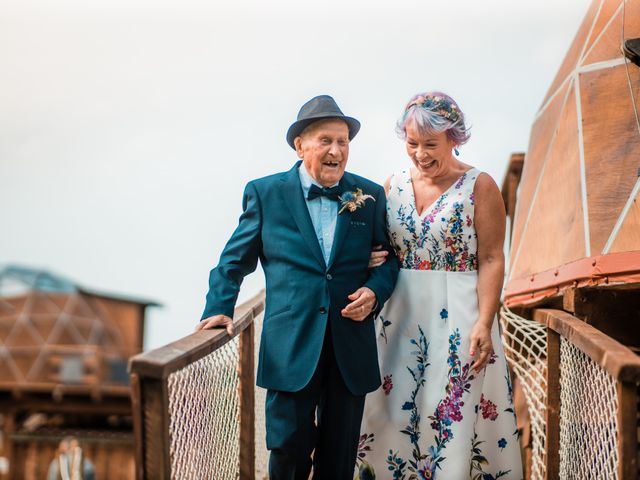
(552, 413)
(510, 184)
(620, 362)
(613, 270)
(247, 404)
(627, 431)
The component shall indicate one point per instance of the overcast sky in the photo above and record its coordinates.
(128, 128)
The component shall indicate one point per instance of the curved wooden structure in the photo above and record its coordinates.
(576, 221)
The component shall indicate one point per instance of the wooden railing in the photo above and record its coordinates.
(193, 403)
(194, 400)
(581, 388)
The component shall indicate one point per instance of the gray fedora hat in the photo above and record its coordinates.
(319, 108)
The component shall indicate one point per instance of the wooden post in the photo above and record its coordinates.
(627, 433)
(138, 422)
(247, 405)
(553, 405)
(10, 449)
(155, 410)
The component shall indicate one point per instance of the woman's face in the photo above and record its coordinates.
(430, 153)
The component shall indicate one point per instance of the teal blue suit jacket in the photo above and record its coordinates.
(302, 292)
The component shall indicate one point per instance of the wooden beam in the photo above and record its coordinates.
(247, 404)
(157, 462)
(615, 312)
(552, 411)
(620, 362)
(627, 431)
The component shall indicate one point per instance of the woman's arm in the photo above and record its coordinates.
(379, 256)
(490, 218)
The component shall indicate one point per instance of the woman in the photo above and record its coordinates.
(444, 409)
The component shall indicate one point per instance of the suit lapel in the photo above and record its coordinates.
(343, 221)
(293, 198)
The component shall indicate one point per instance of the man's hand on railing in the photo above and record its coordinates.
(217, 321)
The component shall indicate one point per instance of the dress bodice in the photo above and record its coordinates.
(443, 236)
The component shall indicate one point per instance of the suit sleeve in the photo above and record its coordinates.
(382, 279)
(238, 259)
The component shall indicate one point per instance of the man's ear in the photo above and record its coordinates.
(297, 142)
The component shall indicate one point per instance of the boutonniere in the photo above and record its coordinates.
(353, 200)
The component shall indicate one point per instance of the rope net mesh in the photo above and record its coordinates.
(204, 420)
(204, 416)
(525, 346)
(588, 421)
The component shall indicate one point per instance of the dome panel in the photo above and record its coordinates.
(628, 237)
(608, 45)
(611, 146)
(572, 58)
(555, 230)
(542, 135)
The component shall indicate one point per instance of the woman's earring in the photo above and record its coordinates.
(455, 150)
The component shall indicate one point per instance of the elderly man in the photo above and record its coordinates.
(312, 229)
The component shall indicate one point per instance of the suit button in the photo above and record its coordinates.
(329, 277)
(323, 310)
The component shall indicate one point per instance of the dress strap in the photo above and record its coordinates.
(468, 182)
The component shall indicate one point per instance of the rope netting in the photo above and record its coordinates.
(204, 416)
(204, 420)
(525, 346)
(588, 421)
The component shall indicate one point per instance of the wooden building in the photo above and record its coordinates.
(575, 237)
(63, 372)
(573, 199)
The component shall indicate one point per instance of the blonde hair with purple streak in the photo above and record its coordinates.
(433, 113)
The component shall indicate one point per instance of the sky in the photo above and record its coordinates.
(128, 128)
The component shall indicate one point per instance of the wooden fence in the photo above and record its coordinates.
(581, 388)
(194, 404)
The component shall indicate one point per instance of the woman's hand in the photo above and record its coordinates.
(378, 256)
(481, 346)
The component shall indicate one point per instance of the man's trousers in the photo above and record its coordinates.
(293, 433)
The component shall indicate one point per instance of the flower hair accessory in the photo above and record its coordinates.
(437, 104)
(353, 200)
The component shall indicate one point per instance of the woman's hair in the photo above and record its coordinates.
(433, 113)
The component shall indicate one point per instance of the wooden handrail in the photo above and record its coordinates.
(619, 361)
(163, 361)
(149, 385)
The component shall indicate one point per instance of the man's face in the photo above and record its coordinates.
(324, 148)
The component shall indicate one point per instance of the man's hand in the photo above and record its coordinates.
(362, 303)
(378, 256)
(217, 321)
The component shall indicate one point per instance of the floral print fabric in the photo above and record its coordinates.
(433, 416)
